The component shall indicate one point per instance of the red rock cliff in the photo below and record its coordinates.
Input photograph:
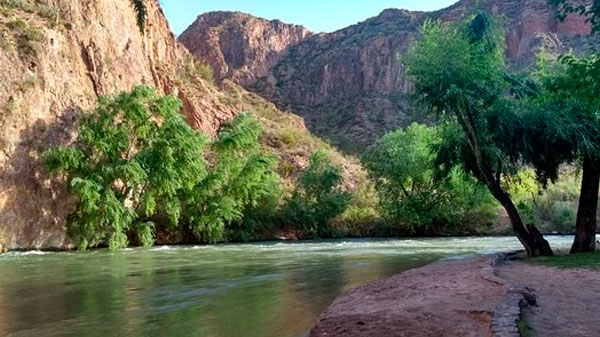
(56, 58)
(350, 86)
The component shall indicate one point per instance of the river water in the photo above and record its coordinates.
(263, 289)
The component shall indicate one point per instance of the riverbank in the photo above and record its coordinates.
(473, 297)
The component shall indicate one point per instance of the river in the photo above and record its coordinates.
(262, 289)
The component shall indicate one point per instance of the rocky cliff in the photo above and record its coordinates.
(56, 58)
(350, 86)
(239, 46)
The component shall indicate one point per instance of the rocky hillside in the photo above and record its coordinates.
(350, 86)
(57, 57)
(239, 46)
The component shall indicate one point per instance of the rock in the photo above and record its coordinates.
(239, 46)
(58, 69)
(74, 52)
(349, 84)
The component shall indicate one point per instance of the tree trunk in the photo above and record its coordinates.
(530, 237)
(585, 235)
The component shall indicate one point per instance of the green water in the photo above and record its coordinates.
(269, 289)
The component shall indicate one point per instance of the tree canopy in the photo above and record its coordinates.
(459, 72)
(415, 194)
(137, 166)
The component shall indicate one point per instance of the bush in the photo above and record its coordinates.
(419, 199)
(554, 207)
(317, 199)
(241, 179)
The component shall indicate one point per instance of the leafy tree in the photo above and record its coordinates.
(412, 193)
(241, 178)
(135, 157)
(580, 77)
(459, 72)
(317, 198)
(569, 111)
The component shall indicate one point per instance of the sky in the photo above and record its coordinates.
(316, 15)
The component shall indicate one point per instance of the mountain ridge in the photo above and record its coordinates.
(349, 85)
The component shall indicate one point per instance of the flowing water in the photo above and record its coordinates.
(263, 289)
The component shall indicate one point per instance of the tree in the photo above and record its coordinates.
(459, 72)
(570, 109)
(317, 198)
(414, 193)
(135, 158)
(580, 77)
(240, 177)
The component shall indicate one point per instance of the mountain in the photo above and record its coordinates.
(239, 46)
(349, 85)
(58, 57)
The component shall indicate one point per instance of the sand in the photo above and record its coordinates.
(446, 299)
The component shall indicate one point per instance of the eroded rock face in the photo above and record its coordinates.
(55, 60)
(350, 86)
(239, 46)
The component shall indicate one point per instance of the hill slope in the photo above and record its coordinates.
(57, 57)
(350, 86)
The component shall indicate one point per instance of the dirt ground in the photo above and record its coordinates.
(445, 299)
(568, 299)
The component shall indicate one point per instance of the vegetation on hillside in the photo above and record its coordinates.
(137, 168)
(317, 198)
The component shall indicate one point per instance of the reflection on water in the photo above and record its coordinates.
(268, 289)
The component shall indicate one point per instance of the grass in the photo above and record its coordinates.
(523, 327)
(584, 260)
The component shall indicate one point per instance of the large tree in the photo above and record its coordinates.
(565, 127)
(459, 73)
(574, 88)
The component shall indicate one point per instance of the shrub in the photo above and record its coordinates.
(241, 178)
(317, 199)
(415, 196)
(137, 167)
(554, 207)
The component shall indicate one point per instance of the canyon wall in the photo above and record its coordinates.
(58, 56)
(239, 46)
(350, 85)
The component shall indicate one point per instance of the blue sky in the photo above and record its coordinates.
(317, 15)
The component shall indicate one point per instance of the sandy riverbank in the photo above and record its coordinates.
(456, 299)
(447, 298)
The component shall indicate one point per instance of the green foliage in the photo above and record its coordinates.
(242, 177)
(195, 69)
(141, 13)
(137, 167)
(554, 207)
(28, 38)
(415, 197)
(570, 110)
(317, 199)
(460, 75)
(135, 157)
